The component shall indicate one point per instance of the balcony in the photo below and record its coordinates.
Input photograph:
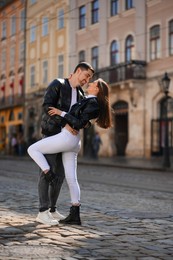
(11, 101)
(134, 69)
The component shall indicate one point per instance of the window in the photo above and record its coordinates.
(94, 11)
(171, 37)
(11, 116)
(21, 52)
(129, 48)
(12, 56)
(13, 25)
(94, 57)
(114, 7)
(3, 60)
(81, 56)
(32, 33)
(128, 4)
(22, 20)
(45, 72)
(82, 15)
(155, 42)
(114, 54)
(44, 26)
(4, 30)
(20, 116)
(61, 19)
(61, 66)
(32, 76)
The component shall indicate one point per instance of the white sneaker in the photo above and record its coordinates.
(46, 218)
(56, 215)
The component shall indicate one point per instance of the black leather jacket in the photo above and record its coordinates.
(58, 94)
(81, 112)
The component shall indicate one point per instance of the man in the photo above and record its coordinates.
(62, 94)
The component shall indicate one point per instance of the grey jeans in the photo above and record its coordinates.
(48, 194)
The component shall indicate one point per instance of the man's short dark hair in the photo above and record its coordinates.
(84, 66)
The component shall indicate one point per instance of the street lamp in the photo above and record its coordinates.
(166, 156)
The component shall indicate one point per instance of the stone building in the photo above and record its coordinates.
(46, 56)
(130, 44)
(12, 63)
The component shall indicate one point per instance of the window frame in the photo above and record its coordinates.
(128, 4)
(81, 56)
(82, 17)
(33, 33)
(155, 42)
(32, 76)
(129, 48)
(45, 26)
(61, 19)
(113, 7)
(4, 30)
(12, 56)
(45, 68)
(22, 20)
(3, 59)
(95, 57)
(94, 12)
(13, 25)
(114, 53)
(60, 65)
(170, 37)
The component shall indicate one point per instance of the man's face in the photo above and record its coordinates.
(84, 76)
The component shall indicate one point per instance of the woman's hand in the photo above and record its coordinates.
(54, 111)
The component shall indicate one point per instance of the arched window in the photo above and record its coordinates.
(129, 48)
(155, 42)
(114, 53)
(171, 37)
(95, 57)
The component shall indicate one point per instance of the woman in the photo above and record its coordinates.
(95, 106)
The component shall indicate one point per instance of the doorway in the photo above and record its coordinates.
(121, 126)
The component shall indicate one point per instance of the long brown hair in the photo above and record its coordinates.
(104, 119)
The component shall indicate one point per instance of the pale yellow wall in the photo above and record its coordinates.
(47, 47)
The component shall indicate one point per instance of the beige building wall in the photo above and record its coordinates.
(142, 96)
(11, 71)
(46, 48)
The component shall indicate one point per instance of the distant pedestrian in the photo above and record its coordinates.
(14, 146)
(21, 144)
(96, 142)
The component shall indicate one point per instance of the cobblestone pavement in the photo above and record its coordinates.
(126, 214)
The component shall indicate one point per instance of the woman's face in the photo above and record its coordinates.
(92, 88)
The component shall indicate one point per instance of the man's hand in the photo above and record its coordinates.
(71, 130)
(54, 111)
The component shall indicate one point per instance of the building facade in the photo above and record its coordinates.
(130, 45)
(46, 56)
(128, 42)
(12, 63)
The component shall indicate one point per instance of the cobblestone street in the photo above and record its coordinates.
(126, 214)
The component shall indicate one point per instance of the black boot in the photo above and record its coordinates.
(73, 218)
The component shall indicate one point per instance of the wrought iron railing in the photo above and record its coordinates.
(134, 69)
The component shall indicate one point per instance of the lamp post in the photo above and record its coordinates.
(166, 156)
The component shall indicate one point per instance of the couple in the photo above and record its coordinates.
(63, 117)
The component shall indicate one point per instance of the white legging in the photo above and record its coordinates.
(69, 145)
